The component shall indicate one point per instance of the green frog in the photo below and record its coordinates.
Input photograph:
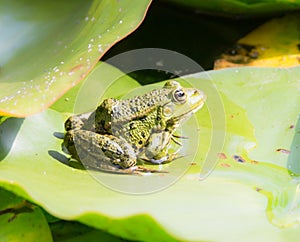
(120, 132)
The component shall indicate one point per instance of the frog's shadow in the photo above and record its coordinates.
(62, 157)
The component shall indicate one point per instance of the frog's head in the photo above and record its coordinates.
(182, 101)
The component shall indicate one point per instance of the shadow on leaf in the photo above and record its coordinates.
(8, 132)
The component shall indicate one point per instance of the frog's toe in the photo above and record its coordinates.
(174, 138)
(179, 136)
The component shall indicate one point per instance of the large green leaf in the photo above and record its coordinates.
(48, 47)
(241, 8)
(252, 195)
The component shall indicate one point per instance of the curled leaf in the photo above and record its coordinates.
(47, 48)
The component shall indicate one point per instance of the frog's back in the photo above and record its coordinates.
(140, 106)
(119, 112)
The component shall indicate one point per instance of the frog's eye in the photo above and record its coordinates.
(179, 96)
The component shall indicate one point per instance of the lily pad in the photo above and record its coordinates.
(252, 195)
(48, 47)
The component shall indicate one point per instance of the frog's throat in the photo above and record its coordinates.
(187, 114)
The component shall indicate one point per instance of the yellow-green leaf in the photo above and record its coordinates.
(275, 44)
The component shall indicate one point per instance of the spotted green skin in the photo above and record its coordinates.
(119, 132)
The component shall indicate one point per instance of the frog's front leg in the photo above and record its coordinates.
(157, 150)
(104, 152)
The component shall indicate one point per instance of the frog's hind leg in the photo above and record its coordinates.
(75, 122)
